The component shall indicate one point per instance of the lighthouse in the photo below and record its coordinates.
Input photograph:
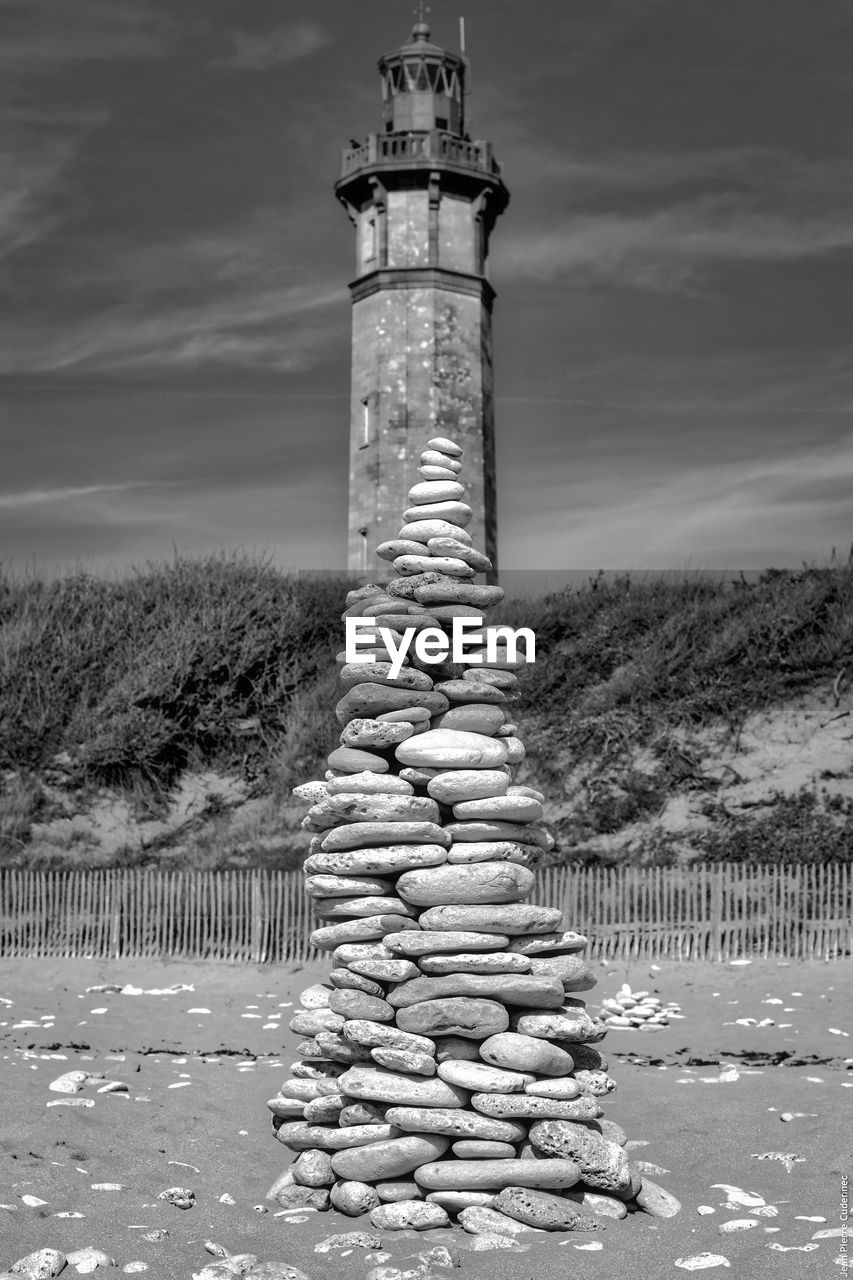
(423, 198)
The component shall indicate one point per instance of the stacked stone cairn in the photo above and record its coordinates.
(450, 1069)
(637, 1011)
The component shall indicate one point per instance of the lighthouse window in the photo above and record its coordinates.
(362, 533)
(368, 248)
(366, 421)
(441, 122)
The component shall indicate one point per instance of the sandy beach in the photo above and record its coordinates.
(744, 1120)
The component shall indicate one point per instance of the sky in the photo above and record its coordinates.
(673, 356)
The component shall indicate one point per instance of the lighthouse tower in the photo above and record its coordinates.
(423, 198)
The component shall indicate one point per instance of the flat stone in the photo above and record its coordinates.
(330, 1044)
(358, 1005)
(301, 1136)
(323, 1110)
(316, 996)
(476, 594)
(307, 1022)
(484, 674)
(354, 674)
(395, 547)
(347, 952)
(385, 970)
(505, 1105)
(379, 1035)
(311, 791)
(509, 988)
(468, 693)
(494, 828)
(428, 491)
(405, 588)
(459, 1016)
(455, 1122)
(464, 851)
(600, 1205)
(419, 777)
(445, 445)
(485, 1221)
(473, 717)
(604, 1165)
(474, 962)
(364, 835)
(526, 1053)
(376, 734)
(560, 1087)
(326, 886)
(449, 546)
(476, 1175)
(352, 760)
(355, 807)
(547, 1213)
(353, 1198)
(421, 530)
(287, 1107)
(389, 859)
(366, 930)
(481, 1078)
(451, 510)
(654, 1200)
(549, 943)
(389, 1158)
(408, 1215)
(40, 1265)
(316, 1070)
(307, 1090)
(569, 1024)
(408, 715)
(588, 1058)
(369, 700)
(482, 1149)
(499, 808)
(349, 1240)
(350, 908)
(429, 471)
(417, 1064)
(468, 883)
(426, 942)
(365, 783)
(455, 1201)
(451, 748)
(467, 784)
(574, 973)
(510, 918)
(398, 1189)
(378, 1085)
(412, 564)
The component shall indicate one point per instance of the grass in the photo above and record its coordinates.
(227, 664)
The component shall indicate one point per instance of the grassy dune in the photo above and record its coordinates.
(173, 709)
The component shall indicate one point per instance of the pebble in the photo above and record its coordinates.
(492, 851)
(398, 1189)
(359, 1005)
(354, 1198)
(454, 568)
(508, 918)
(420, 530)
(354, 760)
(604, 1164)
(574, 973)
(655, 1200)
(472, 692)
(546, 1212)
(295, 1197)
(474, 1175)
(563, 1087)
(301, 1136)
(385, 970)
(454, 1201)
(389, 1158)
(313, 1168)
(483, 1220)
(459, 593)
(451, 787)
(450, 447)
(368, 700)
(428, 943)
(510, 988)
(347, 980)
(395, 547)
(597, 1203)
(356, 674)
(364, 835)
(358, 930)
(474, 717)
(377, 1085)
(452, 748)
(455, 1123)
(566, 1024)
(40, 1265)
(309, 1021)
(455, 1015)
(419, 1064)
(451, 510)
(549, 943)
(379, 1035)
(349, 1240)
(474, 883)
(474, 962)
(482, 1149)
(354, 807)
(490, 1240)
(376, 734)
(180, 1197)
(481, 1078)
(514, 1104)
(501, 808)
(389, 858)
(408, 1215)
(526, 1053)
(454, 547)
(89, 1259)
(409, 715)
(316, 997)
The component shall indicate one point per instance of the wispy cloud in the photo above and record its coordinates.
(67, 493)
(38, 35)
(260, 51)
(758, 205)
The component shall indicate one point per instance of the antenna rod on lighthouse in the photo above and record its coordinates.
(466, 87)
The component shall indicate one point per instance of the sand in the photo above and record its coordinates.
(705, 1100)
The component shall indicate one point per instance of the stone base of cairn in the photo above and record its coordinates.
(450, 1069)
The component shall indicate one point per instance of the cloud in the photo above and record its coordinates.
(68, 493)
(39, 35)
(286, 43)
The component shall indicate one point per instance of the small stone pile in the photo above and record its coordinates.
(638, 1009)
(450, 1069)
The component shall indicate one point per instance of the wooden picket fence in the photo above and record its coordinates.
(703, 912)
